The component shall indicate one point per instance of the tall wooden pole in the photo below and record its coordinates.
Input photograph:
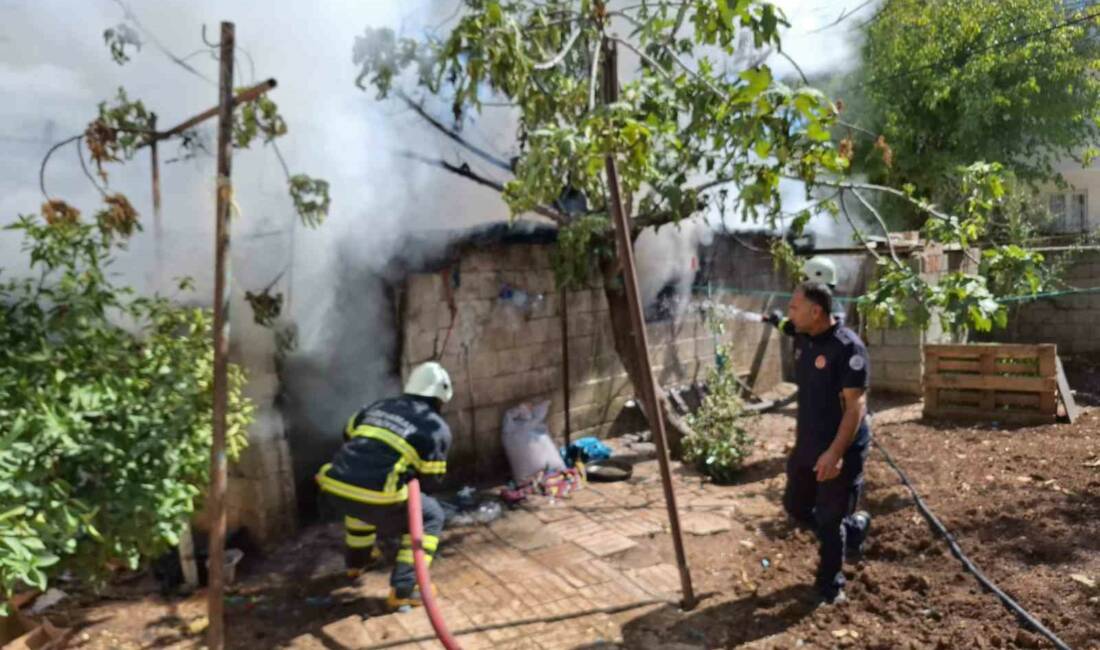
(648, 389)
(215, 613)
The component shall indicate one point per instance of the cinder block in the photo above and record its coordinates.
(598, 300)
(483, 364)
(539, 257)
(477, 260)
(578, 302)
(487, 418)
(543, 330)
(499, 335)
(486, 392)
(659, 334)
(902, 336)
(542, 281)
(896, 353)
(425, 284)
(547, 307)
(903, 372)
(581, 324)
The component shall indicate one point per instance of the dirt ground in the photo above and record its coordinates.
(1024, 503)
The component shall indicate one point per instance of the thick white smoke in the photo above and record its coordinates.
(54, 69)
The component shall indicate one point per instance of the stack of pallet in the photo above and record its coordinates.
(1004, 382)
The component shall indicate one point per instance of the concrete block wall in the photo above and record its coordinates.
(260, 494)
(1069, 321)
(499, 354)
(897, 354)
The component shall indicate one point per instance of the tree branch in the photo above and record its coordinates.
(595, 73)
(560, 56)
(881, 222)
(46, 159)
(859, 233)
(645, 57)
(844, 15)
(464, 171)
(798, 68)
(480, 153)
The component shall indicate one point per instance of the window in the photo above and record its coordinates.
(1069, 212)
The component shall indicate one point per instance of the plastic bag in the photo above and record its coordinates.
(527, 441)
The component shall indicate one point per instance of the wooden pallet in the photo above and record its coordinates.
(1002, 382)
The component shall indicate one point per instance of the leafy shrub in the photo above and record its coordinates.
(720, 442)
(106, 402)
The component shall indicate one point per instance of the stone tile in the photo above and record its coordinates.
(659, 579)
(636, 525)
(704, 523)
(547, 512)
(415, 623)
(573, 527)
(604, 542)
(305, 642)
(476, 641)
(524, 531)
(348, 632)
(560, 555)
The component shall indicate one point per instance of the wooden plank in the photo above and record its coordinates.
(1028, 400)
(931, 363)
(1048, 362)
(1067, 395)
(970, 414)
(1001, 350)
(931, 397)
(1030, 369)
(992, 382)
(989, 368)
(948, 397)
(959, 365)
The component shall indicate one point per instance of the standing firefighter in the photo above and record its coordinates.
(386, 444)
(825, 469)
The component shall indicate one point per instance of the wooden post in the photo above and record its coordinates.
(565, 363)
(216, 569)
(648, 389)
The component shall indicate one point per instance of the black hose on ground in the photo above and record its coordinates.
(1023, 615)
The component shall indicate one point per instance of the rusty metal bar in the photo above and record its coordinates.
(648, 388)
(565, 363)
(218, 463)
(158, 228)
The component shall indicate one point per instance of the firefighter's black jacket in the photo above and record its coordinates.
(386, 444)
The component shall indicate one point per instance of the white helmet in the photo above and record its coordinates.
(430, 380)
(820, 269)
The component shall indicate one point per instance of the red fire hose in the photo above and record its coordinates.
(416, 534)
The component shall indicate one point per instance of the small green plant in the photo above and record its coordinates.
(719, 442)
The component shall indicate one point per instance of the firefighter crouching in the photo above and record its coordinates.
(386, 444)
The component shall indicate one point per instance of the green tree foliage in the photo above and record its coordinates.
(106, 400)
(683, 126)
(691, 120)
(951, 83)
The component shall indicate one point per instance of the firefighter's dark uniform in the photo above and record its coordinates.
(824, 366)
(387, 443)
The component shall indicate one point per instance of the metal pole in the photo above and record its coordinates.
(215, 614)
(648, 388)
(565, 363)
